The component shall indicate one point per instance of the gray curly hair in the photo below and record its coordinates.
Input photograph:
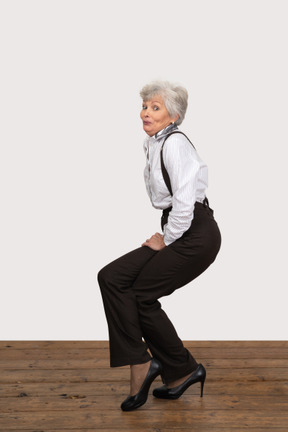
(175, 97)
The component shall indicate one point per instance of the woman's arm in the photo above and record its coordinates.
(188, 177)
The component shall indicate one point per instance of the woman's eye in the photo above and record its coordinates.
(155, 108)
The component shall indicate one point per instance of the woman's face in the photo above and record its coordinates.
(155, 116)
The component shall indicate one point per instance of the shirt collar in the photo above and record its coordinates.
(159, 135)
(165, 131)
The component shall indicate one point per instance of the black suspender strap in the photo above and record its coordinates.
(165, 173)
(164, 170)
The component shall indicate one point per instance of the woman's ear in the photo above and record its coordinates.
(174, 119)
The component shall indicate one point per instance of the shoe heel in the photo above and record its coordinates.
(202, 387)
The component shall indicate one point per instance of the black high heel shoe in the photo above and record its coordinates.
(198, 375)
(133, 402)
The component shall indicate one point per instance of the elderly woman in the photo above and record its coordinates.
(176, 180)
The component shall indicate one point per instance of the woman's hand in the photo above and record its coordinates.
(155, 242)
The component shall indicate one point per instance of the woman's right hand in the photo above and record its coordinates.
(156, 242)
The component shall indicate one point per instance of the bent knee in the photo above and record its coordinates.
(108, 277)
(102, 276)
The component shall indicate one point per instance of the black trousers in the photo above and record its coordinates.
(132, 284)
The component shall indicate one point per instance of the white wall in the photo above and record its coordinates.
(72, 191)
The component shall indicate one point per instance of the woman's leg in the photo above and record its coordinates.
(132, 285)
(125, 334)
(172, 268)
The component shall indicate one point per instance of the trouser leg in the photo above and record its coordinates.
(172, 268)
(133, 311)
(125, 334)
(132, 285)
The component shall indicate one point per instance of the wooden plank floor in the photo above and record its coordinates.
(68, 386)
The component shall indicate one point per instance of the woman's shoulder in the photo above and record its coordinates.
(177, 140)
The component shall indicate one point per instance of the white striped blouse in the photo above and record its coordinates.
(188, 177)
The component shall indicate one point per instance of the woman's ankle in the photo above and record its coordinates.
(138, 374)
(178, 382)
